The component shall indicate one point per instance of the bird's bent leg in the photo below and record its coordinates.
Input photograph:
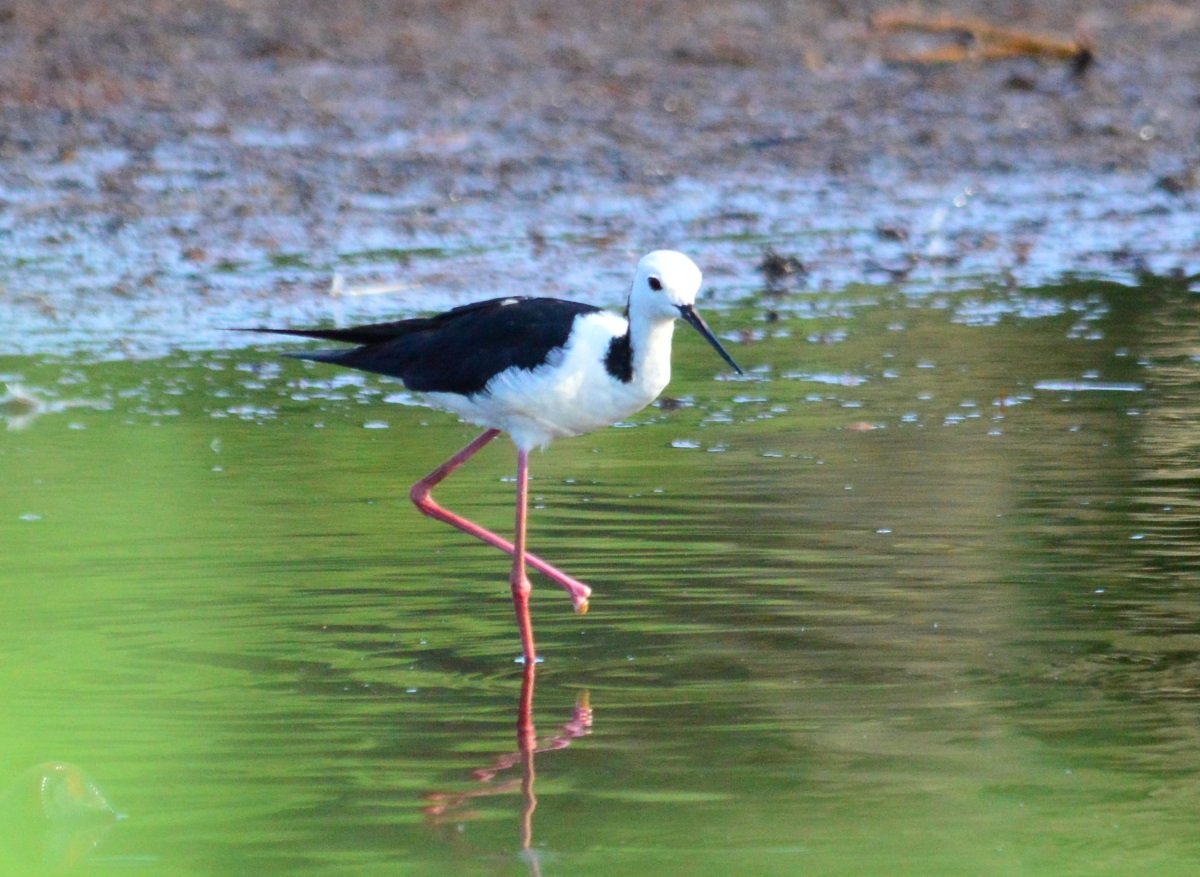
(420, 490)
(420, 495)
(519, 580)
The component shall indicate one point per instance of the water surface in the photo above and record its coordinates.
(916, 596)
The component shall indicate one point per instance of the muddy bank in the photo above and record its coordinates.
(165, 170)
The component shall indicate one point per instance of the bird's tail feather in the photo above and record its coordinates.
(357, 335)
(334, 356)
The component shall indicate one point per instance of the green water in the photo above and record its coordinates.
(917, 597)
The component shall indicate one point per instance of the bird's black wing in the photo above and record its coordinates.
(458, 351)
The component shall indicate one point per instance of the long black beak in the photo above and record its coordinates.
(688, 312)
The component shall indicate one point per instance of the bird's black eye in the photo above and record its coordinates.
(656, 284)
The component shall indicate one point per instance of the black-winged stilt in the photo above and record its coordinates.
(536, 368)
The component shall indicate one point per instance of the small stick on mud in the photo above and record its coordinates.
(979, 40)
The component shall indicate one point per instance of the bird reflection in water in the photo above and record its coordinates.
(451, 807)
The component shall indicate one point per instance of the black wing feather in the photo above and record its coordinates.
(458, 351)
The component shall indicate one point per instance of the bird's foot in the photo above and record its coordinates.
(581, 602)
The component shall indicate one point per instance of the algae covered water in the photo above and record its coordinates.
(916, 595)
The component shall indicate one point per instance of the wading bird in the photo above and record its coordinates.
(537, 369)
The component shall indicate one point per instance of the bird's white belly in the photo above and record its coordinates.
(535, 407)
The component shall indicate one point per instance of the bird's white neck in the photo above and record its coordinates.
(650, 341)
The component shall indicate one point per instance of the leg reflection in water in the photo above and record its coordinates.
(446, 807)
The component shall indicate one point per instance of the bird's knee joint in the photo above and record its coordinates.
(419, 494)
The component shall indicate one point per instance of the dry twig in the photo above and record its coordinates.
(977, 40)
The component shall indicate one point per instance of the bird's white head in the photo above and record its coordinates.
(665, 288)
(666, 280)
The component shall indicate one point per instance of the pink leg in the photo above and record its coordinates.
(420, 495)
(518, 580)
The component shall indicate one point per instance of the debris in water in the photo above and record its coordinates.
(779, 270)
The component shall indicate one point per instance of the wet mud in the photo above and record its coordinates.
(167, 171)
